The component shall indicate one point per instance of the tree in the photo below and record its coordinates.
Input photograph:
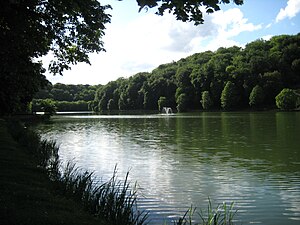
(286, 99)
(256, 97)
(185, 10)
(206, 101)
(184, 85)
(30, 29)
(48, 107)
(229, 96)
(111, 105)
(69, 29)
(272, 84)
(182, 102)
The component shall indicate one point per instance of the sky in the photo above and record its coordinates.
(141, 41)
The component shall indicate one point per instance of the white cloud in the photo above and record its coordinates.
(267, 37)
(290, 11)
(225, 25)
(232, 23)
(150, 40)
(269, 25)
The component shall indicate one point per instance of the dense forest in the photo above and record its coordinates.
(230, 78)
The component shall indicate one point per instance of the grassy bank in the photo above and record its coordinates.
(27, 196)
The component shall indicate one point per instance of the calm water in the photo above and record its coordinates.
(252, 159)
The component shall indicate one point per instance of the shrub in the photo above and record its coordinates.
(256, 97)
(48, 106)
(206, 100)
(182, 103)
(286, 99)
(229, 96)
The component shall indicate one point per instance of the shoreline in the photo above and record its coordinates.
(27, 195)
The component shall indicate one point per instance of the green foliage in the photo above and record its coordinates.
(48, 106)
(223, 214)
(73, 30)
(19, 82)
(229, 96)
(258, 64)
(67, 92)
(184, 85)
(111, 105)
(272, 86)
(206, 101)
(68, 97)
(182, 103)
(286, 99)
(162, 102)
(61, 106)
(70, 30)
(113, 200)
(256, 97)
(188, 10)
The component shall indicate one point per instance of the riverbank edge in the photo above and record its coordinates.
(27, 195)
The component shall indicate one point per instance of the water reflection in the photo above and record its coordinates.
(249, 158)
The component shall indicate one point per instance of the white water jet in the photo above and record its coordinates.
(167, 110)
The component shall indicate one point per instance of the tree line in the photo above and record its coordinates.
(64, 97)
(68, 92)
(229, 78)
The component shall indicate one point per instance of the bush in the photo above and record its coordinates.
(206, 101)
(286, 99)
(229, 96)
(256, 97)
(48, 106)
(182, 103)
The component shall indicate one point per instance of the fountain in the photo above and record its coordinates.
(167, 110)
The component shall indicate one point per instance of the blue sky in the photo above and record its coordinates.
(139, 42)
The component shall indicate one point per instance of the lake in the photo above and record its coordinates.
(179, 160)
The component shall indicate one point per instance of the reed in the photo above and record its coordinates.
(223, 214)
(114, 200)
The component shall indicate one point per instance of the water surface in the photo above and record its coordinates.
(181, 159)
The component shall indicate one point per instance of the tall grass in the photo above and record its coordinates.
(114, 200)
(223, 214)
